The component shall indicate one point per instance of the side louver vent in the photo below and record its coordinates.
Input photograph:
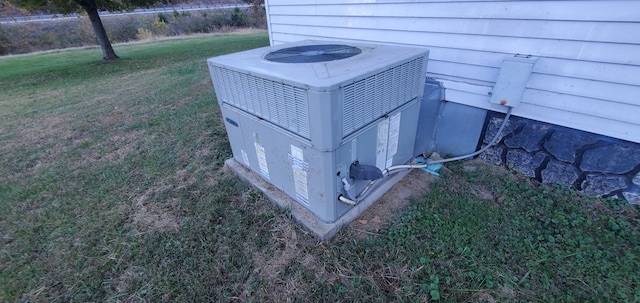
(377, 95)
(281, 104)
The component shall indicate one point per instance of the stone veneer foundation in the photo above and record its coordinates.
(593, 164)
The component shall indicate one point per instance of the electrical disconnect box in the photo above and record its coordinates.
(512, 80)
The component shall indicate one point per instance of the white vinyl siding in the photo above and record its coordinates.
(587, 75)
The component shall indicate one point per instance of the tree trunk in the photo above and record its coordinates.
(92, 11)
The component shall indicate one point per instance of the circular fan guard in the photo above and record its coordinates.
(313, 53)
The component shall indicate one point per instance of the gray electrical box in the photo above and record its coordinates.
(300, 114)
(512, 80)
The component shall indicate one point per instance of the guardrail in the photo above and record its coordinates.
(138, 11)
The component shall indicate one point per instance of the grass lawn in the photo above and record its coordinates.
(112, 188)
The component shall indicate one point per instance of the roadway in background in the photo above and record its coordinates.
(138, 11)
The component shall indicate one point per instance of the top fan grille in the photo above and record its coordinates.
(313, 53)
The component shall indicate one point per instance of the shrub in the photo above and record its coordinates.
(144, 34)
(5, 42)
(122, 28)
(159, 27)
(162, 17)
(237, 17)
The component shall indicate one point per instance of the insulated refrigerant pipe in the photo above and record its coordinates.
(386, 172)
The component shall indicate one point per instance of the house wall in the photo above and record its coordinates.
(586, 76)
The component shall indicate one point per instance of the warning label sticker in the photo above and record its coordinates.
(300, 169)
(387, 142)
(262, 157)
(394, 135)
(381, 146)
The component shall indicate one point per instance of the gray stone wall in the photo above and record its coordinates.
(593, 164)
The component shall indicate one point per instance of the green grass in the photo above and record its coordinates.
(113, 189)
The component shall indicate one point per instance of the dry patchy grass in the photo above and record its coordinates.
(114, 189)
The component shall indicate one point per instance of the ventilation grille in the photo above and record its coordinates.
(313, 53)
(375, 96)
(281, 104)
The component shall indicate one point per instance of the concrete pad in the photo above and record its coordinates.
(321, 229)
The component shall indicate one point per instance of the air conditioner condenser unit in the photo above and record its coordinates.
(314, 118)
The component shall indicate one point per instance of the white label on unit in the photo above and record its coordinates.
(389, 162)
(394, 134)
(381, 147)
(299, 168)
(262, 157)
(297, 153)
(245, 158)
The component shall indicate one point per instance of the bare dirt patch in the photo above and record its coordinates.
(289, 252)
(388, 276)
(152, 215)
(124, 143)
(413, 185)
(482, 192)
(157, 210)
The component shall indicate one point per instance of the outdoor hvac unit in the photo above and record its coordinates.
(302, 114)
